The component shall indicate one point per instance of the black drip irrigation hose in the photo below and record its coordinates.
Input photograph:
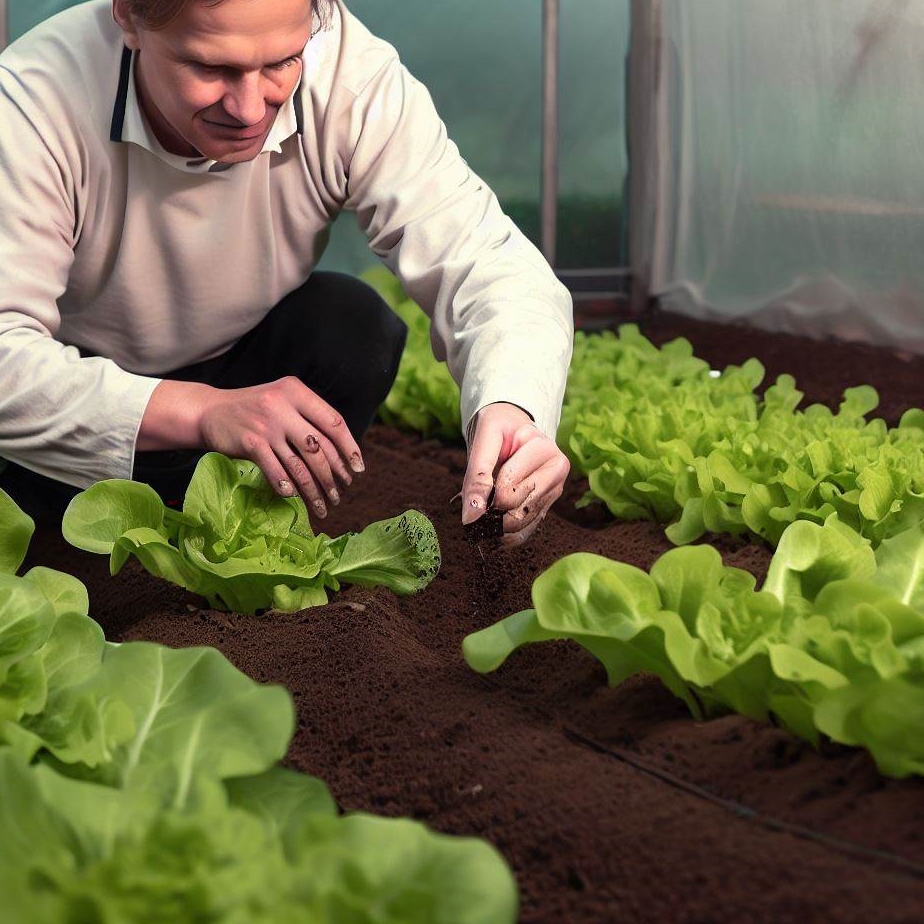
(909, 867)
(738, 809)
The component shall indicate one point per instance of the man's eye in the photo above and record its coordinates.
(281, 65)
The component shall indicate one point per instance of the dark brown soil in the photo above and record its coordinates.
(611, 805)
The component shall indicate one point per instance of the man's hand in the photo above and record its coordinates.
(530, 471)
(299, 441)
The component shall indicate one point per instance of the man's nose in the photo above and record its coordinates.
(244, 100)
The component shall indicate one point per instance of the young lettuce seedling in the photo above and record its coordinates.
(242, 546)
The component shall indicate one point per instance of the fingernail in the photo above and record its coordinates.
(356, 463)
(335, 495)
(472, 509)
(285, 487)
(320, 508)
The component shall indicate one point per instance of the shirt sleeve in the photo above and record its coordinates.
(500, 318)
(69, 417)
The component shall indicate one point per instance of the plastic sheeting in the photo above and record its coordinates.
(784, 174)
(22, 15)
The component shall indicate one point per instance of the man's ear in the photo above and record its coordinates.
(125, 21)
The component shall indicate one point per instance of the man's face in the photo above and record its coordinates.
(212, 81)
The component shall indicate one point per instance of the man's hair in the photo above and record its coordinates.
(156, 14)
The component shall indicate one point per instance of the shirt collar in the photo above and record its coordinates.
(130, 125)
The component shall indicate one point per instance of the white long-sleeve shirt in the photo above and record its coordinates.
(111, 245)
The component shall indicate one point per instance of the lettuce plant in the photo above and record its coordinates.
(141, 784)
(242, 546)
(833, 642)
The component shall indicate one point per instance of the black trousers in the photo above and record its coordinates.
(335, 333)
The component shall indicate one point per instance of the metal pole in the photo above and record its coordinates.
(4, 26)
(649, 149)
(550, 61)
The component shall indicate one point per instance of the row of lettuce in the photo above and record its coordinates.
(661, 436)
(140, 783)
(832, 643)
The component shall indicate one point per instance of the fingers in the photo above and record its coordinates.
(285, 482)
(531, 472)
(315, 446)
(479, 474)
(315, 452)
(288, 474)
(527, 486)
(520, 524)
(328, 423)
(529, 469)
(305, 476)
(298, 453)
(312, 462)
(317, 442)
(519, 537)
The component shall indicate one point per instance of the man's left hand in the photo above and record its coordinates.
(526, 469)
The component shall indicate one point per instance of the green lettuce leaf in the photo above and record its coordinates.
(883, 715)
(185, 715)
(424, 397)
(27, 619)
(401, 553)
(810, 556)
(16, 528)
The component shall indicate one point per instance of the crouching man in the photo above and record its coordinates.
(170, 171)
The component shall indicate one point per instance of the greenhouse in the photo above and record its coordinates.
(461, 463)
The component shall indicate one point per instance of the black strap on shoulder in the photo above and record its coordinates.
(299, 111)
(118, 111)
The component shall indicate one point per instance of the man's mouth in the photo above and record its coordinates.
(242, 132)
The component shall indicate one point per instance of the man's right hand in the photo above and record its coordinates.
(299, 441)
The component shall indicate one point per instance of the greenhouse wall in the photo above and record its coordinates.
(778, 177)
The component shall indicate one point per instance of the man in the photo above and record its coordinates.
(170, 170)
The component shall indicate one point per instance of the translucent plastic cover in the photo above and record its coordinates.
(792, 195)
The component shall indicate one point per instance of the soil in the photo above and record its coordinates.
(610, 804)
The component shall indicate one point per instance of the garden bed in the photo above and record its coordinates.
(609, 804)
